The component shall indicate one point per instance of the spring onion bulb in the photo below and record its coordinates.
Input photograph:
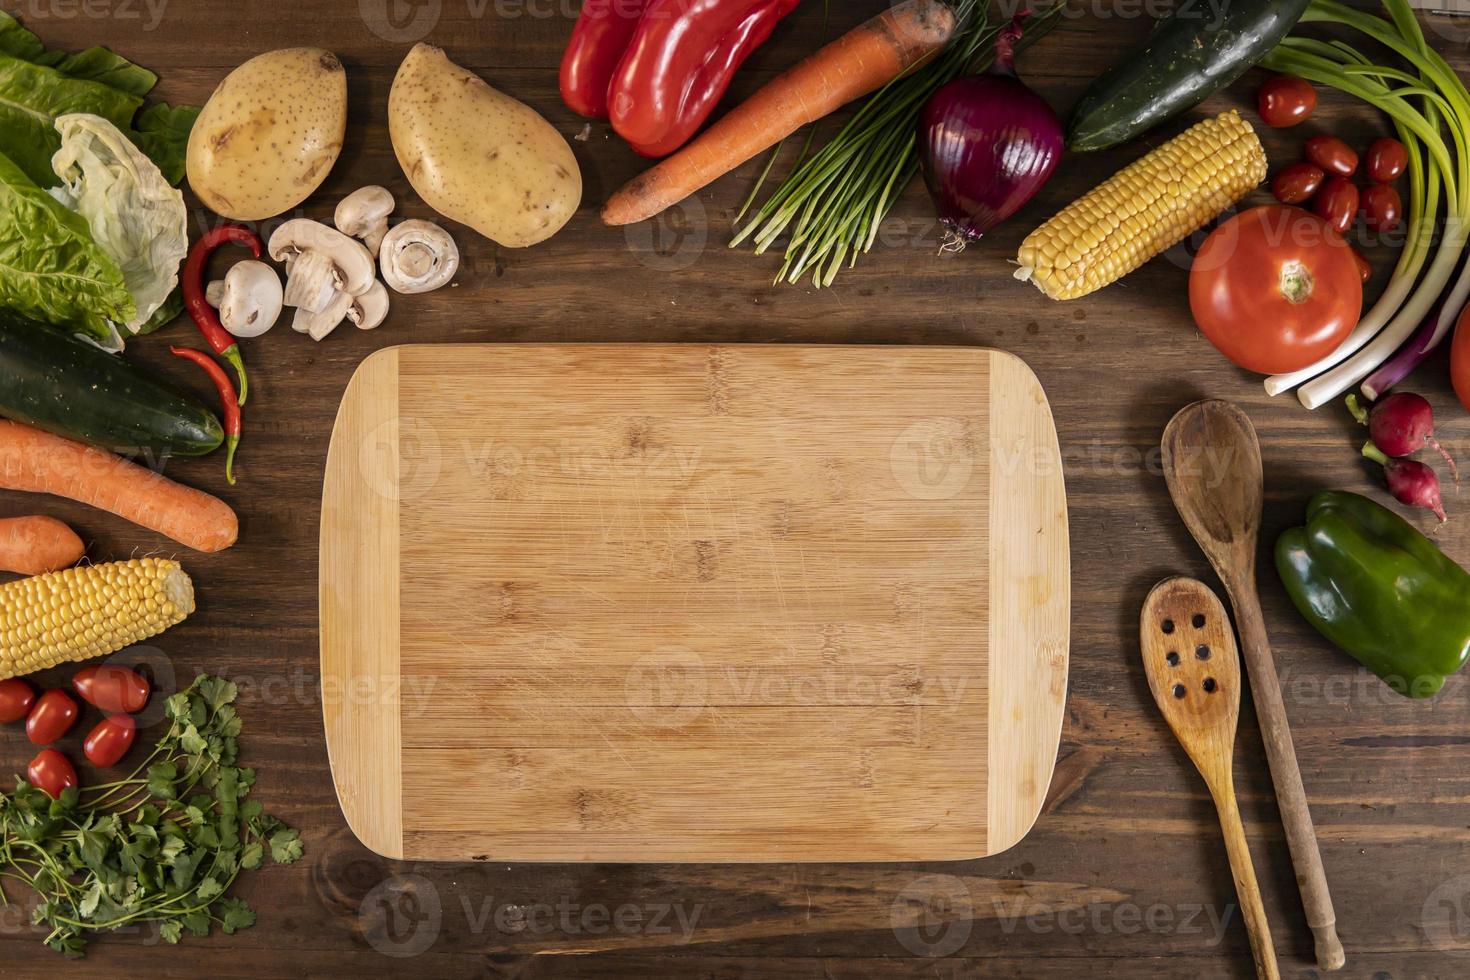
(1423, 108)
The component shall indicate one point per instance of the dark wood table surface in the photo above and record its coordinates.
(1124, 875)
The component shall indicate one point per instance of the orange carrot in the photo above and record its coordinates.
(37, 545)
(39, 462)
(856, 64)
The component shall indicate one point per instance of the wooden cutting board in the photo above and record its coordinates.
(693, 603)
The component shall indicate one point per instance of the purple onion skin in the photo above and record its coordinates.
(987, 144)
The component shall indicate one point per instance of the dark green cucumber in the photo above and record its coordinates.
(1200, 48)
(63, 385)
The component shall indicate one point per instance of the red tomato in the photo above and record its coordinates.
(1382, 208)
(1332, 155)
(1460, 358)
(51, 772)
(1364, 269)
(1387, 160)
(1286, 100)
(112, 688)
(1275, 289)
(16, 698)
(1296, 182)
(1337, 203)
(52, 717)
(110, 740)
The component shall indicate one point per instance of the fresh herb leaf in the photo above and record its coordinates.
(285, 846)
(234, 914)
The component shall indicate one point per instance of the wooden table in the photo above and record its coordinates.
(1124, 876)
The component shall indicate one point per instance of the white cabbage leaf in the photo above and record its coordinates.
(135, 216)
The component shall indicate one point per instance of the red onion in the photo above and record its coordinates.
(987, 144)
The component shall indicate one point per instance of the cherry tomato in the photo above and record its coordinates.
(1332, 155)
(1296, 182)
(1364, 269)
(1387, 159)
(52, 717)
(110, 740)
(1286, 100)
(1275, 289)
(112, 688)
(16, 698)
(51, 772)
(1337, 203)
(1382, 208)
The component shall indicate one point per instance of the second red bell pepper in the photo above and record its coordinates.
(599, 41)
(658, 68)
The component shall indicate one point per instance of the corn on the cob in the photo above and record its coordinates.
(1144, 209)
(89, 611)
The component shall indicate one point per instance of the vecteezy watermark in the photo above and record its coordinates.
(1445, 917)
(934, 916)
(673, 687)
(149, 13)
(406, 21)
(933, 459)
(671, 241)
(403, 916)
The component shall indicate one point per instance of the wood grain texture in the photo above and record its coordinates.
(1121, 874)
(622, 547)
(1212, 463)
(1193, 668)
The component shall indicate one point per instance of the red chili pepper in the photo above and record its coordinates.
(220, 340)
(680, 62)
(229, 405)
(598, 43)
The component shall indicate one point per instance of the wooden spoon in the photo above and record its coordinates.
(1212, 461)
(1194, 671)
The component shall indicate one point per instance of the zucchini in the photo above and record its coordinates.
(68, 387)
(1198, 49)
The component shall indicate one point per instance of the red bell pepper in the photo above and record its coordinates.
(679, 64)
(599, 41)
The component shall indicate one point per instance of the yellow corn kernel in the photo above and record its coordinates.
(89, 611)
(1144, 209)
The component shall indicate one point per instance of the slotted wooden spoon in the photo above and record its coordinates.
(1193, 670)
(1212, 461)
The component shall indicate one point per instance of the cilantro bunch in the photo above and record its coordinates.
(163, 845)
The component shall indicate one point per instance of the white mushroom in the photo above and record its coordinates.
(320, 262)
(318, 325)
(363, 214)
(214, 292)
(250, 302)
(418, 256)
(370, 309)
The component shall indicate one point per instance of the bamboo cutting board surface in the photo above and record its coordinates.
(693, 603)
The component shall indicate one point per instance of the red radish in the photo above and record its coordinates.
(1401, 425)
(1410, 481)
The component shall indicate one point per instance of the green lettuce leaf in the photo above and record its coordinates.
(53, 271)
(37, 85)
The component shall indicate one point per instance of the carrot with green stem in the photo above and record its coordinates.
(856, 64)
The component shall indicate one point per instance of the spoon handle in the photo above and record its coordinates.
(1247, 889)
(1301, 838)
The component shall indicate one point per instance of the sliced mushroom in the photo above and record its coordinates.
(318, 325)
(363, 214)
(370, 309)
(214, 292)
(418, 256)
(320, 262)
(250, 302)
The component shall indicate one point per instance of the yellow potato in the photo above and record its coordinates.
(478, 156)
(269, 134)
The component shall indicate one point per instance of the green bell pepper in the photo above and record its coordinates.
(1380, 590)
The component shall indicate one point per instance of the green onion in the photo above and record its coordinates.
(1423, 107)
(834, 202)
